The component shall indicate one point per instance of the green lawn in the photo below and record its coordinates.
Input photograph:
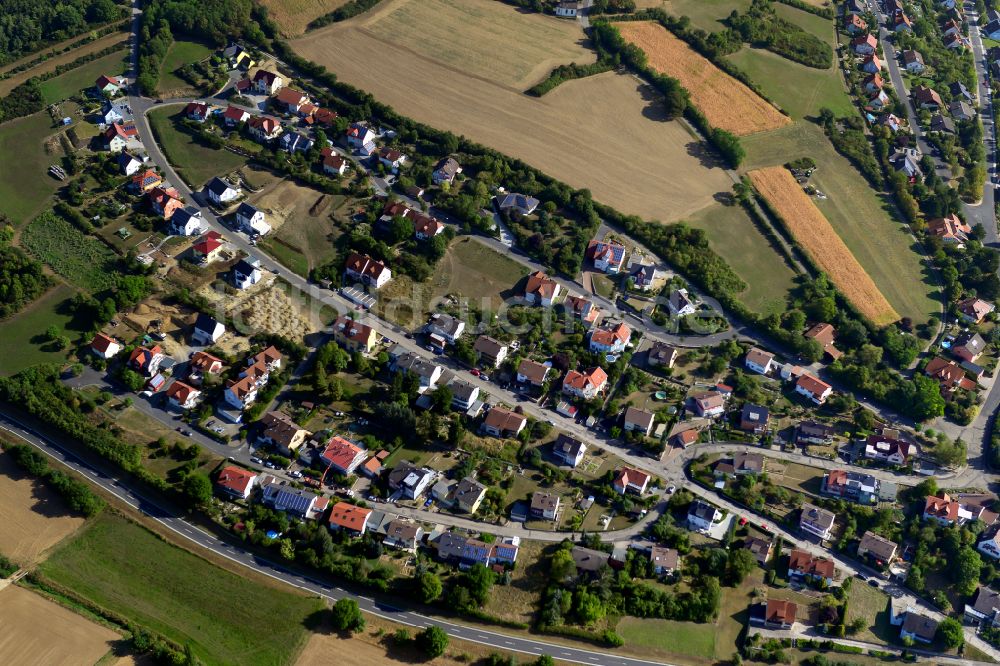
(860, 215)
(194, 162)
(23, 331)
(70, 83)
(872, 605)
(83, 260)
(25, 185)
(227, 619)
(734, 236)
(705, 14)
(821, 27)
(681, 638)
(801, 91)
(180, 53)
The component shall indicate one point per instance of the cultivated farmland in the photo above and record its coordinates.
(39, 631)
(69, 56)
(727, 103)
(293, 16)
(623, 152)
(34, 519)
(481, 37)
(131, 571)
(83, 260)
(818, 239)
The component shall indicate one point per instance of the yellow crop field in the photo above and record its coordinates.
(812, 231)
(727, 103)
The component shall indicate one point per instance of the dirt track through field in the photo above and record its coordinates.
(39, 631)
(606, 132)
(812, 231)
(726, 102)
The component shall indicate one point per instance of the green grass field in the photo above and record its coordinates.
(705, 14)
(860, 215)
(291, 259)
(195, 163)
(872, 605)
(801, 91)
(681, 638)
(25, 185)
(83, 260)
(733, 235)
(23, 331)
(180, 53)
(69, 83)
(227, 619)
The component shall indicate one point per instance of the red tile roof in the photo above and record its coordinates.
(235, 479)
(180, 391)
(101, 343)
(340, 453)
(349, 516)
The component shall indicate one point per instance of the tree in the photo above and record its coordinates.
(132, 380)
(346, 616)
(545, 660)
(430, 587)
(198, 489)
(966, 570)
(927, 402)
(433, 641)
(741, 563)
(479, 579)
(441, 399)
(562, 566)
(949, 632)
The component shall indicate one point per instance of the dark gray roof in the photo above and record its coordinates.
(919, 625)
(702, 510)
(205, 323)
(218, 186)
(246, 210)
(588, 559)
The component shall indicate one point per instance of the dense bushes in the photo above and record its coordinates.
(342, 13)
(6, 567)
(22, 279)
(761, 26)
(850, 141)
(564, 73)
(23, 100)
(77, 494)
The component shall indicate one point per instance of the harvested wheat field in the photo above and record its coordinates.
(727, 103)
(816, 237)
(38, 631)
(294, 16)
(481, 37)
(34, 518)
(624, 152)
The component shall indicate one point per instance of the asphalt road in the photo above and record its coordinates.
(238, 555)
(983, 212)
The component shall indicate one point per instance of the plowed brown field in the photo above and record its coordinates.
(727, 103)
(818, 239)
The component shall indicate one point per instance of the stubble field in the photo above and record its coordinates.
(727, 103)
(38, 631)
(623, 152)
(294, 15)
(818, 239)
(34, 519)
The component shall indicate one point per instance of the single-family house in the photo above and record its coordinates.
(662, 355)
(334, 165)
(960, 92)
(201, 364)
(501, 422)
(913, 61)
(517, 204)
(992, 29)
(208, 248)
(391, 159)
(775, 614)
(264, 128)
(540, 289)
(196, 111)
(680, 303)
(187, 221)
(586, 384)
(754, 418)
(532, 372)
(426, 227)
(759, 361)
(888, 446)
(901, 23)
(568, 450)
(110, 85)
(238, 57)
(445, 326)
(892, 121)
(926, 98)
(144, 181)
(872, 64)
(252, 220)
(221, 192)
(353, 335)
(825, 335)
(164, 201)
(638, 420)
(974, 310)
(919, 628)
(813, 432)
(118, 136)
(349, 518)
(266, 83)
(949, 374)
(950, 229)
(709, 404)
(426, 372)
(879, 101)
(104, 346)
(445, 171)
(608, 257)
(856, 487)
(816, 521)
(342, 456)
(411, 481)
(236, 481)
(281, 432)
(960, 110)
(233, 116)
(813, 388)
(544, 506)
(745, 463)
(246, 272)
(116, 111)
(984, 608)
(629, 480)
(127, 163)
(290, 100)
(864, 44)
(803, 564)
(207, 330)
(702, 516)
(146, 360)
(182, 396)
(665, 560)
(581, 308)
(877, 548)
(969, 346)
(610, 339)
(366, 270)
(761, 549)
(855, 25)
(490, 351)
(463, 394)
(469, 495)
(403, 534)
(873, 83)
(361, 138)
(568, 8)
(295, 142)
